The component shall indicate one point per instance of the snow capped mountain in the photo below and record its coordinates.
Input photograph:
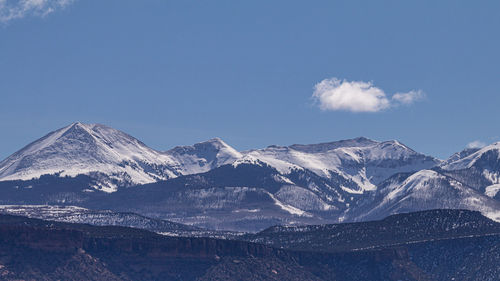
(116, 159)
(203, 156)
(484, 157)
(426, 190)
(110, 156)
(211, 184)
(478, 168)
(89, 149)
(459, 155)
(362, 161)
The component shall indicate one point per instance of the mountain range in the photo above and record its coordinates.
(212, 185)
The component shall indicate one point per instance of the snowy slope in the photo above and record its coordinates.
(362, 161)
(202, 157)
(86, 149)
(112, 157)
(348, 180)
(458, 156)
(426, 190)
(488, 155)
(479, 169)
(116, 159)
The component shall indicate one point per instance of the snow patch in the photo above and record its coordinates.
(492, 190)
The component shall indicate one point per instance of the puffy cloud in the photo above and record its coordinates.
(476, 144)
(17, 9)
(358, 96)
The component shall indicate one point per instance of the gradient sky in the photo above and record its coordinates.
(179, 72)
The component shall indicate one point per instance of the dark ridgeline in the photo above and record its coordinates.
(394, 230)
(430, 245)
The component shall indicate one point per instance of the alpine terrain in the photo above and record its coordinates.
(212, 185)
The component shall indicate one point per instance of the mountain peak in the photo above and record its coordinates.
(80, 125)
(77, 124)
(203, 156)
(363, 139)
(460, 155)
(326, 146)
(87, 149)
(213, 143)
(216, 142)
(471, 156)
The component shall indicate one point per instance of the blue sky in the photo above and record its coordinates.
(180, 72)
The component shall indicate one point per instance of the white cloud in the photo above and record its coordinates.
(17, 9)
(408, 98)
(476, 144)
(358, 96)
